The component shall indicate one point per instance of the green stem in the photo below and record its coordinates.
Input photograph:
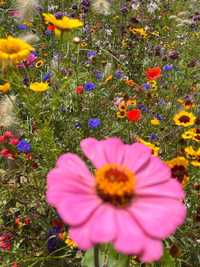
(96, 256)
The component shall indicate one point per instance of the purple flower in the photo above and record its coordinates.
(94, 123)
(89, 86)
(168, 67)
(119, 74)
(22, 27)
(91, 54)
(23, 146)
(146, 86)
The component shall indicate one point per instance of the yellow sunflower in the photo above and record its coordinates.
(188, 134)
(190, 152)
(121, 114)
(154, 149)
(196, 136)
(64, 23)
(179, 169)
(13, 50)
(122, 106)
(4, 86)
(184, 118)
(39, 87)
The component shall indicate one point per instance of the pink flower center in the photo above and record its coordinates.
(115, 184)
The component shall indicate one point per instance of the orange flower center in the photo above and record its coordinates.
(115, 184)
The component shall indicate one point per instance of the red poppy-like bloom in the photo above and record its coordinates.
(5, 241)
(153, 73)
(134, 115)
(79, 89)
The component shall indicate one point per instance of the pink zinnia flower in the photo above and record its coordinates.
(5, 241)
(131, 200)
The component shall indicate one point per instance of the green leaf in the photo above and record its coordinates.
(167, 260)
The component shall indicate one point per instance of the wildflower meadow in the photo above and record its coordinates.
(100, 133)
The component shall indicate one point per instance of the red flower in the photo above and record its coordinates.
(79, 89)
(5, 153)
(51, 27)
(153, 73)
(14, 141)
(134, 115)
(5, 241)
(2, 138)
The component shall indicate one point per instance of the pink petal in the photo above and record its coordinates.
(153, 251)
(103, 226)
(158, 217)
(81, 235)
(102, 152)
(153, 173)
(136, 156)
(169, 189)
(73, 164)
(130, 236)
(75, 209)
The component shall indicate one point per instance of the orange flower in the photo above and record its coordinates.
(130, 83)
(153, 73)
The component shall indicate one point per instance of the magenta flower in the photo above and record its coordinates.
(131, 200)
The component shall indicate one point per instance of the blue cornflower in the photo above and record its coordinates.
(143, 108)
(159, 117)
(91, 54)
(23, 146)
(146, 86)
(167, 67)
(94, 123)
(89, 86)
(119, 74)
(47, 76)
(98, 75)
(22, 27)
(153, 137)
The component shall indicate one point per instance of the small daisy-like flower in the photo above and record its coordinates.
(179, 169)
(139, 31)
(155, 122)
(122, 106)
(62, 23)
(188, 134)
(4, 86)
(39, 64)
(39, 86)
(121, 114)
(184, 118)
(190, 152)
(13, 50)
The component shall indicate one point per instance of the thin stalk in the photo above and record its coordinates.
(96, 256)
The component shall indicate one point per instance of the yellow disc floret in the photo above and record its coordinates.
(115, 184)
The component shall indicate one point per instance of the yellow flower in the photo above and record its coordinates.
(70, 243)
(63, 23)
(139, 31)
(4, 87)
(39, 64)
(188, 134)
(190, 152)
(179, 169)
(121, 114)
(184, 118)
(39, 87)
(131, 102)
(122, 106)
(154, 149)
(155, 122)
(13, 50)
